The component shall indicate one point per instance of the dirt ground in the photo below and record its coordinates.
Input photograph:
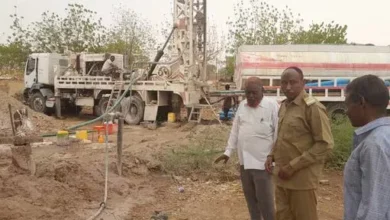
(69, 182)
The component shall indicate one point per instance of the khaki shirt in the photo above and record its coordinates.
(303, 142)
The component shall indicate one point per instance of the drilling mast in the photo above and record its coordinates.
(188, 43)
(190, 36)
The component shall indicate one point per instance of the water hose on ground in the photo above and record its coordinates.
(103, 204)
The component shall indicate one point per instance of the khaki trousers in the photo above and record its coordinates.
(295, 204)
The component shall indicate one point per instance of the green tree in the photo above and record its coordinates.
(322, 33)
(14, 53)
(258, 22)
(261, 23)
(12, 57)
(230, 65)
(78, 31)
(131, 34)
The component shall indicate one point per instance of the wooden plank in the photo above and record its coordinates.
(21, 140)
(12, 119)
(119, 145)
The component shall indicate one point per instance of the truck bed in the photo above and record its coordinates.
(106, 83)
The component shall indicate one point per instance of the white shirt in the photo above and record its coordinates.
(107, 65)
(254, 133)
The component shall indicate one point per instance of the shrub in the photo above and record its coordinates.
(206, 143)
(342, 131)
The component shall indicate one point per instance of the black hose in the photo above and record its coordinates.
(160, 53)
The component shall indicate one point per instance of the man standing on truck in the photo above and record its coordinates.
(253, 134)
(367, 171)
(304, 139)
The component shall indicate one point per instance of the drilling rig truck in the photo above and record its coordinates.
(54, 82)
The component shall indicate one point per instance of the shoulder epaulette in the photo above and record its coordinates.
(310, 100)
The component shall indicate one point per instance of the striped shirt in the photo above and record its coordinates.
(367, 173)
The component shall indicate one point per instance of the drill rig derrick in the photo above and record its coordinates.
(188, 45)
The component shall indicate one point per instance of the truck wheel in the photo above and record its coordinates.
(337, 111)
(38, 103)
(102, 106)
(135, 110)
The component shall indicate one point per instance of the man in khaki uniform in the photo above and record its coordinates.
(304, 139)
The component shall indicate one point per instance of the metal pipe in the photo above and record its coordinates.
(58, 105)
(205, 41)
(160, 53)
(120, 145)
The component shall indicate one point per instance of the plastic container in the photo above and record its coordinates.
(230, 115)
(62, 138)
(171, 117)
(111, 128)
(82, 135)
(100, 132)
(101, 139)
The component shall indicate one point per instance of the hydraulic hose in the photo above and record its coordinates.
(160, 53)
(104, 203)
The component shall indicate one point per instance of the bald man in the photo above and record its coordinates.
(253, 135)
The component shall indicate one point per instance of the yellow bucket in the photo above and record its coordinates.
(82, 134)
(171, 117)
(62, 138)
(62, 133)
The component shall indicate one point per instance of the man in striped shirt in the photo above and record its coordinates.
(367, 172)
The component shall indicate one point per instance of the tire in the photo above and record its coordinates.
(102, 106)
(25, 96)
(38, 103)
(135, 113)
(337, 111)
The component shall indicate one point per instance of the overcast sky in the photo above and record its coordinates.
(368, 21)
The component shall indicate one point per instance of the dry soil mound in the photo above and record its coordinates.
(41, 122)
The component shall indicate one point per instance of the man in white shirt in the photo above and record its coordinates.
(109, 65)
(253, 134)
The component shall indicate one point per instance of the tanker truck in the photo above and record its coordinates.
(327, 68)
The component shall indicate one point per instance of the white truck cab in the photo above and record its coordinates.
(42, 69)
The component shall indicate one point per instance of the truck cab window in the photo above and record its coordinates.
(63, 62)
(30, 66)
